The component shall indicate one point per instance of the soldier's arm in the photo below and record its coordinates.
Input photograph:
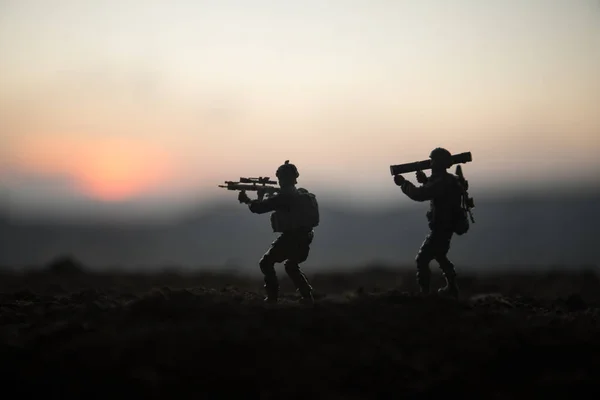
(422, 193)
(421, 177)
(266, 205)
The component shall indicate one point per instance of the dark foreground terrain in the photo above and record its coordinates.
(167, 336)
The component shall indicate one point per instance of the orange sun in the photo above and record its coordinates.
(107, 169)
(119, 171)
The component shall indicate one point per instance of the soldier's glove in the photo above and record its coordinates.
(421, 177)
(243, 197)
(399, 180)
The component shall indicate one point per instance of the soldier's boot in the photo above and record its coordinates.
(307, 296)
(423, 278)
(271, 281)
(272, 293)
(451, 288)
(300, 282)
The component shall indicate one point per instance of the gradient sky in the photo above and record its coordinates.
(159, 101)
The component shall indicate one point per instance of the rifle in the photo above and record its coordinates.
(461, 158)
(259, 185)
(467, 202)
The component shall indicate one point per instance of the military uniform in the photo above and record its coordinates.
(443, 191)
(291, 247)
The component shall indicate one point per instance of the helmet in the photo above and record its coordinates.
(287, 171)
(441, 156)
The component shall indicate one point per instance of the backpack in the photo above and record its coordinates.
(303, 213)
(307, 208)
(461, 225)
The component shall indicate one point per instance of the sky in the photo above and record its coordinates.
(153, 103)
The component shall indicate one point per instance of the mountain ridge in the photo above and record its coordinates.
(523, 230)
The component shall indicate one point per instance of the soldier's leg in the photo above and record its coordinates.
(299, 250)
(267, 267)
(292, 268)
(424, 257)
(449, 272)
(442, 246)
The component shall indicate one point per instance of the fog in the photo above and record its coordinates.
(527, 229)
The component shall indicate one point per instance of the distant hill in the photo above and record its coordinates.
(524, 230)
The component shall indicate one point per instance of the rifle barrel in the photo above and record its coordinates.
(251, 187)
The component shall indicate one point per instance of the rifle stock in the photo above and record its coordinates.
(467, 202)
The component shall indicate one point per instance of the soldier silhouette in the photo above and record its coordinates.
(295, 214)
(444, 191)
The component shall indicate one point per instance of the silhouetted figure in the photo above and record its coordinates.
(444, 192)
(295, 214)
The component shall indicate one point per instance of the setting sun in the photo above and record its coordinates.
(104, 169)
(116, 172)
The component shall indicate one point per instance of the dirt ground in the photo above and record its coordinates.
(168, 335)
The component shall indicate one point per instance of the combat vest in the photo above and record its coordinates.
(302, 212)
(446, 210)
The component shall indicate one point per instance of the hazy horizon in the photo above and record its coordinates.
(154, 103)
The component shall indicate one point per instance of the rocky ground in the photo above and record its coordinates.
(91, 335)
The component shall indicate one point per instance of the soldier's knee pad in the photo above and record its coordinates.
(267, 267)
(422, 261)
